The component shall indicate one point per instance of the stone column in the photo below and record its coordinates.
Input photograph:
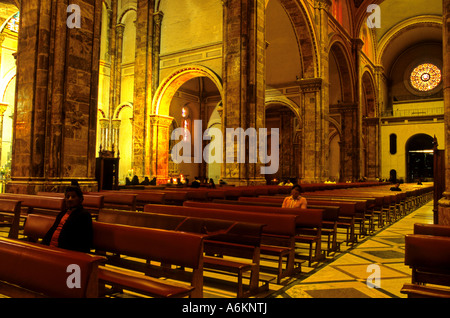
(159, 132)
(143, 84)
(55, 114)
(244, 83)
(313, 142)
(349, 156)
(357, 45)
(444, 203)
(3, 107)
(315, 102)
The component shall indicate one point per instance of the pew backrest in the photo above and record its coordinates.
(36, 203)
(429, 258)
(177, 248)
(36, 226)
(274, 224)
(11, 209)
(45, 271)
(432, 229)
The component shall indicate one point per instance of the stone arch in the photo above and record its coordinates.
(368, 95)
(169, 86)
(120, 108)
(306, 38)
(282, 100)
(290, 125)
(342, 56)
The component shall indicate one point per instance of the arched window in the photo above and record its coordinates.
(393, 144)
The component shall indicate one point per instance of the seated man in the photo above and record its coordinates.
(72, 229)
(295, 200)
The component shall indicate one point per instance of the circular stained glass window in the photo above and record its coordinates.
(425, 77)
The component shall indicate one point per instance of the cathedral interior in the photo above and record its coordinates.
(355, 88)
(240, 92)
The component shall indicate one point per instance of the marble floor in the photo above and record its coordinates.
(374, 268)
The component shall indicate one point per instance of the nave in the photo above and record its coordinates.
(341, 274)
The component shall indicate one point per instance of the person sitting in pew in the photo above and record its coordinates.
(195, 183)
(295, 200)
(211, 184)
(396, 187)
(72, 229)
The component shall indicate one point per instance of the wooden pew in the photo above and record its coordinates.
(92, 203)
(278, 237)
(347, 213)
(10, 215)
(31, 203)
(124, 201)
(330, 216)
(33, 270)
(429, 259)
(236, 243)
(432, 229)
(171, 249)
(133, 242)
(309, 222)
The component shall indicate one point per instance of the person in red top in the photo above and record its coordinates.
(295, 200)
(72, 228)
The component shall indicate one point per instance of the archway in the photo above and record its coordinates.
(185, 87)
(344, 110)
(370, 128)
(419, 158)
(284, 115)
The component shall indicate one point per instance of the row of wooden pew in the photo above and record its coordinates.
(234, 237)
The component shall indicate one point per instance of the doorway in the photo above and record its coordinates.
(419, 158)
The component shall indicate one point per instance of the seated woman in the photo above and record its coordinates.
(72, 228)
(295, 200)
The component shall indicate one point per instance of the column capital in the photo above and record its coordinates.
(309, 85)
(160, 120)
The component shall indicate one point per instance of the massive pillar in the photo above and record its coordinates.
(143, 89)
(243, 82)
(56, 99)
(444, 203)
(315, 100)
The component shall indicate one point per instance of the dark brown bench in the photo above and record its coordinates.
(278, 237)
(309, 222)
(432, 229)
(428, 257)
(29, 270)
(92, 203)
(330, 217)
(347, 213)
(31, 203)
(10, 216)
(133, 242)
(236, 243)
(124, 201)
(169, 249)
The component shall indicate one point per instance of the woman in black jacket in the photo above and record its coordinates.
(72, 228)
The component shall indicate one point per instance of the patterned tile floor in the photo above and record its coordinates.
(346, 276)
